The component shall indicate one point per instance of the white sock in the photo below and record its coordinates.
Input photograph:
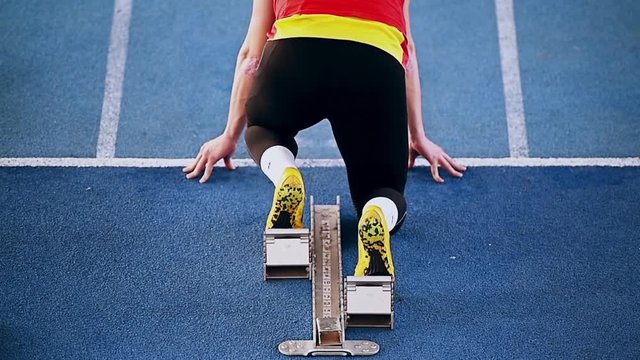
(388, 207)
(275, 160)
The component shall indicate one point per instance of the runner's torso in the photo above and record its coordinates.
(378, 23)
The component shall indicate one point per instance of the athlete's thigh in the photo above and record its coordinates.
(282, 97)
(370, 124)
(373, 142)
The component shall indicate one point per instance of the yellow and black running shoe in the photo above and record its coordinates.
(374, 244)
(288, 201)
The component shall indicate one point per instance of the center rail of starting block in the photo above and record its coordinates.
(328, 315)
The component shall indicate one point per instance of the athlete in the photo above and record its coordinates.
(354, 63)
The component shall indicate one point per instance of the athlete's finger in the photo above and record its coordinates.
(450, 169)
(412, 158)
(455, 164)
(188, 169)
(228, 163)
(434, 172)
(207, 172)
(198, 169)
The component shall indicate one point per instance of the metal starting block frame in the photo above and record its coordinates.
(369, 300)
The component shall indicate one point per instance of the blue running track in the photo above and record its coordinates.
(141, 264)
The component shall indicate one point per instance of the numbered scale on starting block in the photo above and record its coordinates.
(363, 301)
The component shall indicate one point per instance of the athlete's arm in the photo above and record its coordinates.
(224, 146)
(419, 144)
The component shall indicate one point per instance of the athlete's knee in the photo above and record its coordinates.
(251, 135)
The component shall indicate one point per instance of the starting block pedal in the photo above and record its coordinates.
(287, 254)
(369, 301)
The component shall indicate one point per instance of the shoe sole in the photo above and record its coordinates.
(374, 244)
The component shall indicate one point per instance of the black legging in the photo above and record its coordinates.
(359, 88)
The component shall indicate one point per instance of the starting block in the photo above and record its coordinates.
(358, 301)
(287, 254)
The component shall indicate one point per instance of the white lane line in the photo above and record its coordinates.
(513, 103)
(116, 61)
(313, 163)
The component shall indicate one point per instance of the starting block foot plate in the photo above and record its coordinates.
(348, 348)
(286, 254)
(369, 301)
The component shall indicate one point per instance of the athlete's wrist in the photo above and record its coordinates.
(416, 131)
(232, 134)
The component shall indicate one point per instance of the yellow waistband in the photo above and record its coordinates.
(374, 33)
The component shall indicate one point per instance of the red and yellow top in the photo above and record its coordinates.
(378, 23)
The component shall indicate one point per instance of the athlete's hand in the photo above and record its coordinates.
(213, 150)
(435, 156)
